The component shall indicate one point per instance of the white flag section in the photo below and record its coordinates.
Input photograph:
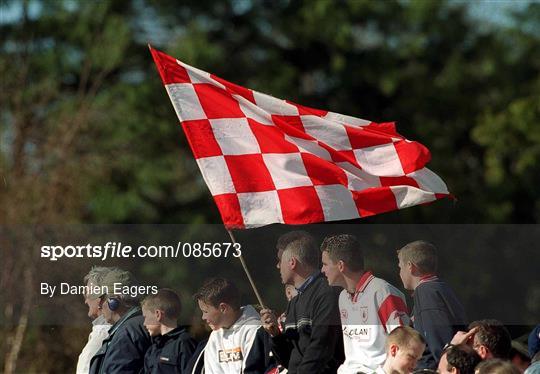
(267, 160)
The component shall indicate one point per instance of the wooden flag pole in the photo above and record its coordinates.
(253, 286)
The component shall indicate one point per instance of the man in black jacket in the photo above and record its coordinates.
(123, 351)
(310, 340)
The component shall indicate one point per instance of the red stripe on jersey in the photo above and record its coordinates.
(390, 305)
(362, 284)
(428, 278)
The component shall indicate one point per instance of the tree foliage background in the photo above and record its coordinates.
(89, 134)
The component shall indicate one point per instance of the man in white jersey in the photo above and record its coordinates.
(370, 308)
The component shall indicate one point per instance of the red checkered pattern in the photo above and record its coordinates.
(268, 160)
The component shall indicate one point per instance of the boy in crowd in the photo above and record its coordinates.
(370, 307)
(123, 351)
(310, 340)
(172, 346)
(100, 327)
(437, 313)
(237, 343)
(404, 347)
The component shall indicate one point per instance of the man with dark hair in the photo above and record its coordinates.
(370, 308)
(492, 339)
(437, 313)
(458, 359)
(310, 341)
(172, 346)
(237, 343)
(123, 351)
(489, 337)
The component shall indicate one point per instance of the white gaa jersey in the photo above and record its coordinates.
(367, 317)
(228, 349)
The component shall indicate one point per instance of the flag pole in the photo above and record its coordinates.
(246, 270)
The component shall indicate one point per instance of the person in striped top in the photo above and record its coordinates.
(370, 307)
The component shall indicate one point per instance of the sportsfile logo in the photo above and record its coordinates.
(120, 250)
(230, 355)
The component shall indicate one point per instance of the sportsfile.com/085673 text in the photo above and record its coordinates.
(119, 250)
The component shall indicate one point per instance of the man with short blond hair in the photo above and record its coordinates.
(437, 313)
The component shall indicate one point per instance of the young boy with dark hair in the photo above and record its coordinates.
(172, 346)
(237, 343)
(437, 313)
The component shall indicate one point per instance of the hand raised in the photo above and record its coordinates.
(270, 322)
(462, 337)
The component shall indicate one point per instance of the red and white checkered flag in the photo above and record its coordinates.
(268, 160)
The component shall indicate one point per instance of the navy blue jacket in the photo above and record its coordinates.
(437, 315)
(196, 363)
(260, 359)
(123, 351)
(169, 353)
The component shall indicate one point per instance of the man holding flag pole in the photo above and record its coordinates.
(310, 340)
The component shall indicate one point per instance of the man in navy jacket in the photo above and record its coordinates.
(310, 340)
(123, 351)
(437, 312)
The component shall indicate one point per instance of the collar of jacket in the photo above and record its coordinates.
(308, 281)
(130, 313)
(160, 340)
